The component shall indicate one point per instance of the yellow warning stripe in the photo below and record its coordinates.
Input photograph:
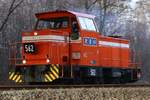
(11, 76)
(18, 78)
(48, 77)
(57, 65)
(56, 69)
(20, 81)
(52, 76)
(45, 80)
(54, 73)
(14, 77)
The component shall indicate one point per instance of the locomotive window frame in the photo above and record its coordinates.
(53, 23)
(74, 28)
(84, 23)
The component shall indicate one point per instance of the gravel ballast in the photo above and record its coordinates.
(78, 94)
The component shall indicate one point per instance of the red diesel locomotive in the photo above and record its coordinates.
(66, 46)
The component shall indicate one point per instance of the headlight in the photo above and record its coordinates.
(24, 61)
(35, 33)
(47, 60)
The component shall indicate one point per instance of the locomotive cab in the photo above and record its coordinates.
(69, 29)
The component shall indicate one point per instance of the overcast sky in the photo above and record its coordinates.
(133, 3)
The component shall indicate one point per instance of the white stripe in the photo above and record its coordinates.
(28, 41)
(125, 45)
(113, 44)
(48, 38)
(43, 38)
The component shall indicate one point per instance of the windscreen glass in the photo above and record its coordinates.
(87, 23)
(53, 23)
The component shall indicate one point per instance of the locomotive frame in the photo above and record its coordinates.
(67, 48)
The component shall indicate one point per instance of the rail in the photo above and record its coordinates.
(20, 87)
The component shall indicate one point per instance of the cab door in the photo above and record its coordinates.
(89, 34)
(75, 43)
(90, 52)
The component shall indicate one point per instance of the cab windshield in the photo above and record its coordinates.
(87, 24)
(52, 23)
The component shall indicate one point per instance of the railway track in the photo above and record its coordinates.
(19, 87)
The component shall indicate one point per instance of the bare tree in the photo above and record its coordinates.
(4, 48)
(107, 7)
(13, 6)
(137, 30)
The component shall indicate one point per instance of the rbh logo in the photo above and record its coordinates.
(90, 41)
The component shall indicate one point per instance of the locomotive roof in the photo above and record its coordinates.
(65, 12)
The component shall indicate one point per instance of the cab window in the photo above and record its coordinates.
(53, 23)
(87, 24)
(75, 29)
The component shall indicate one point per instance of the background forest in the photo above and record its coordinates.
(128, 18)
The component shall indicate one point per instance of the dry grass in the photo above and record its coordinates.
(78, 94)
